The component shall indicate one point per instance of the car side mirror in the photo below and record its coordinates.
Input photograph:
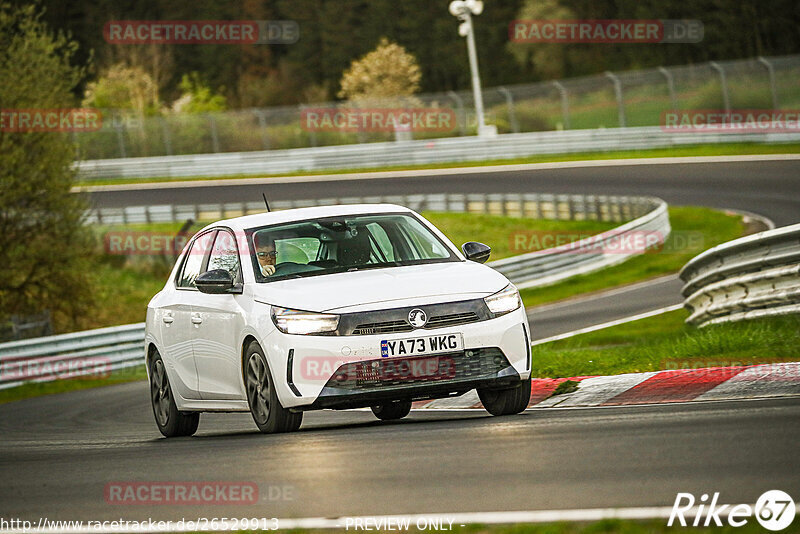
(215, 282)
(475, 251)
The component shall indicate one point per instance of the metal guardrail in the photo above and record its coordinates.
(92, 352)
(754, 276)
(111, 349)
(543, 267)
(454, 149)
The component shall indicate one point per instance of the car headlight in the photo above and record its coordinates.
(504, 301)
(302, 322)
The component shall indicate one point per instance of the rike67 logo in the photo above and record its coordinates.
(774, 510)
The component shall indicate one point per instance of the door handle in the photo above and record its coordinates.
(167, 319)
(197, 319)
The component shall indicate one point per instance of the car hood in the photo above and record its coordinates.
(383, 288)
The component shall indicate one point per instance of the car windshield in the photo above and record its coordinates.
(341, 244)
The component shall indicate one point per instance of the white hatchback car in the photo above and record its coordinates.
(331, 307)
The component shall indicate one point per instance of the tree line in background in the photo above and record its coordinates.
(335, 32)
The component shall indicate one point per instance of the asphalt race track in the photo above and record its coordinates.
(770, 188)
(58, 453)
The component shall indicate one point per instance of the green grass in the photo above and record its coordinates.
(728, 149)
(694, 229)
(26, 391)
(666, 342)
(500, 232)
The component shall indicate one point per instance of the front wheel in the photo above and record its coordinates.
(171, 422)
(506, 401)
(270, 417)
(392, 410)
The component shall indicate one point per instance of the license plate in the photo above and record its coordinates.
(422, 345)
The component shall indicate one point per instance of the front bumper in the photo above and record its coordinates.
(370, 382)
(305, 367)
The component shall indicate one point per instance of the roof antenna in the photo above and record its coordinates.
(265, 201)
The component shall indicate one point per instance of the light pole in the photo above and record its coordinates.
(463, 10)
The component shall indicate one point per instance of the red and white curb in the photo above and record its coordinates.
(680, 385)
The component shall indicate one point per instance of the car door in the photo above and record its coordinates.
(220, 318)
(176, 319)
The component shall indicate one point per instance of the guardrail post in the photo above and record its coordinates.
(562, 91)
(312, 133)
(724, 83)
(771, 71)
(165, 133)
(262, 125)
(119, 126)
(214, 137)
(618, 92)
(670, 87)
(512, 116)
(462, 122)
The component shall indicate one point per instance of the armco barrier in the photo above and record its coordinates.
(91, 352)
(754, 276)
(453, 149)
(112, 349)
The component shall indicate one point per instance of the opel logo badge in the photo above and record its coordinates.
(417, 318)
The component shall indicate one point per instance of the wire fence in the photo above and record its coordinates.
(609, 100)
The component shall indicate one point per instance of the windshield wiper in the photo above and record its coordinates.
(373, 266)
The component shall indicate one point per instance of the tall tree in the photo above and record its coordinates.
(43, 243)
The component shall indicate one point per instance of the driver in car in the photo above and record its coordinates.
(266, 254)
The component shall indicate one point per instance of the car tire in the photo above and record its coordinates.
(391, 411)
(268, 414)
(506, 401)
(171, 422)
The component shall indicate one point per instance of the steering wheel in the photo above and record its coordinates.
(287, 267)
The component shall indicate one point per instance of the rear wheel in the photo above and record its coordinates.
(506, 401)
(270, 417)
(171, 422)
(392, 410)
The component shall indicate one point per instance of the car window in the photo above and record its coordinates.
(422, 246)
(194, 260)
(381, 241)
(347, 243)
(225, 254)
(297, 250)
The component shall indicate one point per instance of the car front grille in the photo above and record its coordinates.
(437, 321)
(386, 327)
(440, 321)
(379, 374)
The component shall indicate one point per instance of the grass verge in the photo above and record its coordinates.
(728, 149)
(26, 391)
(666, 342)
(694, 230)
